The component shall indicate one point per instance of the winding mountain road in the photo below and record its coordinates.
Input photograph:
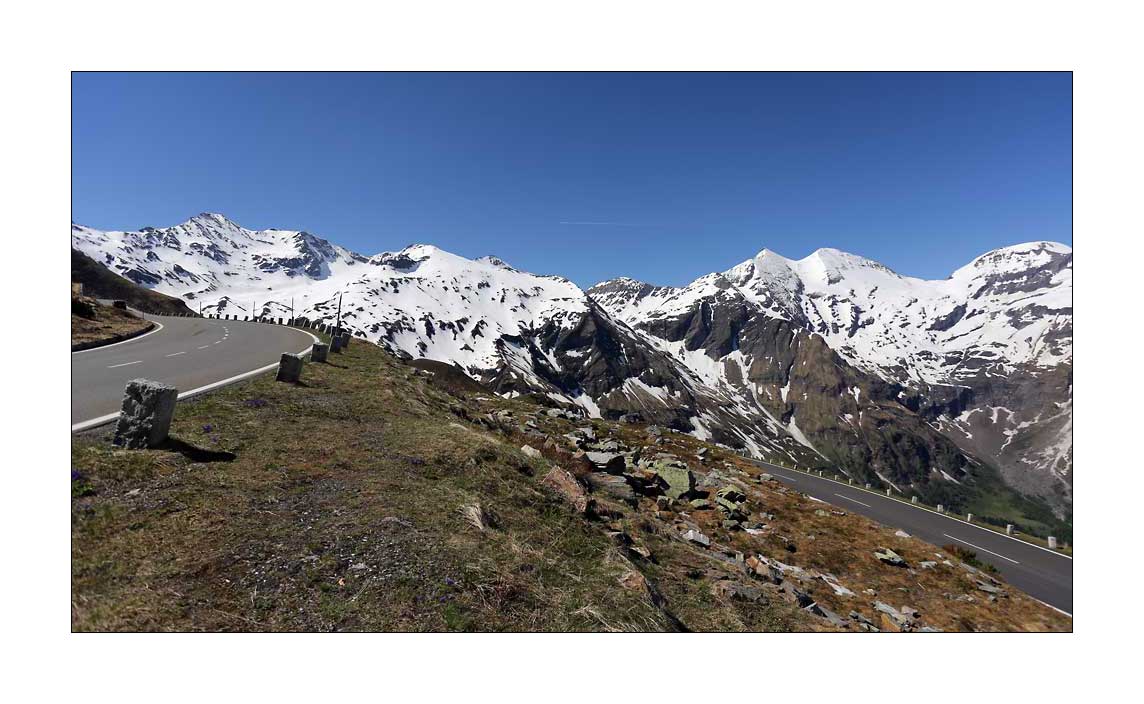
(1039, 572)
(192, 354)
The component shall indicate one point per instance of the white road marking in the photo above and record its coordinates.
(854, 500)
(126, 364)
(94, 422)
(176, 354)
(158, 327)
(981, 548)
(204, 347)
(769, 467)
(215, 343)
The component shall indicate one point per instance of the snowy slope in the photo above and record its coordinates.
(997, 332)
(745, 357)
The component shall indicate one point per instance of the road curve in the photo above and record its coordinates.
(1039, 572)
(187, 353)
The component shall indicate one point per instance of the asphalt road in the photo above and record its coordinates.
(188, 353)
(1039, 572)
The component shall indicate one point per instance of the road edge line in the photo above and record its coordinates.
(158, 326)
(101, 420)
(923, 507)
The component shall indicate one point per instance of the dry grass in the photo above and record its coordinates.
(102, 323)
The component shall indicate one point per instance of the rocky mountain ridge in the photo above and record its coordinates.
(831, 360)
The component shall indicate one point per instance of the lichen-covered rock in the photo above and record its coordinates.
(145, 417)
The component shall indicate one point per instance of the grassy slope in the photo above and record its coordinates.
(99, 322)
(343, 508)
(100, 282)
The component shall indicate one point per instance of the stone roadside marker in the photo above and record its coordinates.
(145, 417)
(319, 351)
(290, 368)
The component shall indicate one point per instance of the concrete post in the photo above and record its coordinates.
(887, 492)
(913, 499)
(940, 508)
(1052, 543)
(969, 517)
(345, 339)
(849, 480)
(1009, 529)
(145, 417)
(290, 368)
(318, 352)
(867, 485)
(336, 344)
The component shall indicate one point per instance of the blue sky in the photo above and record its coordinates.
(661, 177)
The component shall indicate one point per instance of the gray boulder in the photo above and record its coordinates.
(146, 414)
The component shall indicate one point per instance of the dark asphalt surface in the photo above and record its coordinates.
(187, 353)
(1038, 572)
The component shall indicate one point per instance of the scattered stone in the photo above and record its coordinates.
(478, 517)
(735, 590)
(616, 487)
(532, 452)
(927, 564)
(831, 580)
(821, 513)
(700, 504)
(901, 534)
(679, 479)
(697, 538)
(833, 618)
(863, 622)
(146, 413)
(890, 557)
(609, 462)
(569, 488)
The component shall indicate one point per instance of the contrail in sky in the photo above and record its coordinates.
(590, 223)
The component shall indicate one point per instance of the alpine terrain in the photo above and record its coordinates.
(956, 390)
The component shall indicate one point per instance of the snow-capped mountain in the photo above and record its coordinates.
(831, 360)
(984, 355)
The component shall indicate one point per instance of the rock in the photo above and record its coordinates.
(890, 557)
(735, 590)
(819, 512)
(988, 588)
(569, 488)
(663, 503)
(531, 452)
(615, 486)
(901, 534)
(588, 433)
(641, 551)
(700, 504)
(476, 516)
(823, 612)
(679, 479)
(697, 538)
(927, 564)
(765, 568)
(609, 462)
(863, 622)
(831, 580)
(146, 413)
(793, 594)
